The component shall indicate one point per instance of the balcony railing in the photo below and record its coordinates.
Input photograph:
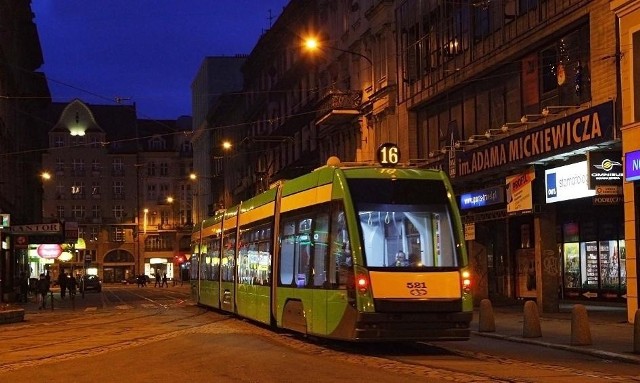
(339, 106)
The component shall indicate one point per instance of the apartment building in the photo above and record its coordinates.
(112, 175)
(517, 100)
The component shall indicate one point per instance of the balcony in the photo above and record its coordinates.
(338, 107)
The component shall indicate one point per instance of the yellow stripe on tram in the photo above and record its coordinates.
(306, 198)
(257, 214)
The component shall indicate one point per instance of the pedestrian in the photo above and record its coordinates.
(164, 280)
(158, 279)
(43, 290)
(62, 282)
(72, 284)
(24, 287)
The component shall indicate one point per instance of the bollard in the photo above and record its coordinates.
(580, 332)
(531, 325)
(487, 321)
(636, 332)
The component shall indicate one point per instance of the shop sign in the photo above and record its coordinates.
(519, 192)
(607, 199)
(38, 228)
(567, 182)
(579, 130)
(605, 168)
(608, 190)
(71, 232)
(469, 231)
(480, 198)
(49, 251)
(632, 166)
(5, 220)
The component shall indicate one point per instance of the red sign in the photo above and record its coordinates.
(49, 251)
(21, 241)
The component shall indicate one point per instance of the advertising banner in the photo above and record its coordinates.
(584, 128)
(519, 192)
(605, 168)
(567, 182)
(480, 198)
(632, 166)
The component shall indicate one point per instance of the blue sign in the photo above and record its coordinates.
(552, 187)
(632, 166)
(482, 197)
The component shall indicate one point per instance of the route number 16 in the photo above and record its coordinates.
(388, 154)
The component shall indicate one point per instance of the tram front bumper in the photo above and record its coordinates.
(413, 326)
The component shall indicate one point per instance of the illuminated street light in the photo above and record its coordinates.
(45, 175)
(312, 44)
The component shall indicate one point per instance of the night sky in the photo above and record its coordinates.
(145, 52)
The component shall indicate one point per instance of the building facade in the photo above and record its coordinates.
(23, 95)
(217, 76)
(517, 101)
(628, 20)
(520, 102)
(111, 175)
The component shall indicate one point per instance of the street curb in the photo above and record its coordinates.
(597, 353)
(11, 316)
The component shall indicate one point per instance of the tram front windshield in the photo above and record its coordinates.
(404, 223)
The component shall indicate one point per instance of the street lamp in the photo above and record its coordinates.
(312, 44)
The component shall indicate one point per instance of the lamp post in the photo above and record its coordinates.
(348, 106)
(313, 44)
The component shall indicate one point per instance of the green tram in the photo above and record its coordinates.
(348, 252)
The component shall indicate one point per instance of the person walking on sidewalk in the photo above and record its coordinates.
(43, 290)
(62, 282)
(72, 284)
(158, 279)
(164, 281)
(24, 287)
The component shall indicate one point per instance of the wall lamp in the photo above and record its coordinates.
(493, 132)
(549, 110)
(479, 137)
(531, 118)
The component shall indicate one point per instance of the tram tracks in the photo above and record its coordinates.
(57, 354)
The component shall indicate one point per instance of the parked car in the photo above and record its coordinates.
(91, 282)
(137, 280)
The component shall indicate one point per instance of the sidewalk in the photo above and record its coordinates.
(611, 334)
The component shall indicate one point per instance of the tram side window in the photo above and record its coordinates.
(287, 251)
(193, 272)
(254, 257)
(227, 265)
(212, 259)
(297, 248)
(341, 263)
(320, 250)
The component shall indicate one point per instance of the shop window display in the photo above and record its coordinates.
(592, 267)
